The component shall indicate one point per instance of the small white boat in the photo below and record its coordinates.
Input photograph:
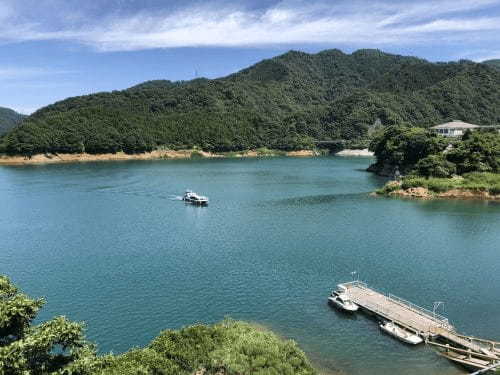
(342, 301)
(401, 333)
(193, 198)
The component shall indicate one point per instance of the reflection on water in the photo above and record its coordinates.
(110, 244)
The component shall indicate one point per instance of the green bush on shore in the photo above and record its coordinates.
(475, 181)
(412, 182)
(196, 154)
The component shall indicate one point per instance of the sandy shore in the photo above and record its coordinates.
(353, 152)
(153, 155)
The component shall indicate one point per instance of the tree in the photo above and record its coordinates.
(404, 146)
(57, 346)
(435, 166)
(477, 152)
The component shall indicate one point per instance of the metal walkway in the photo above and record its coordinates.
(487, 369)
(426, 323)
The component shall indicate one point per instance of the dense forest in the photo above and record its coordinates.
(9, 119)
(287, 103)
(494, 63)
(58, 346)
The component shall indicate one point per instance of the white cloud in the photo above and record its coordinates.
(335, 22)
(479, 24)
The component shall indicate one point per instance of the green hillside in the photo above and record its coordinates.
(493, 63)
(286, 102)
(9, 119)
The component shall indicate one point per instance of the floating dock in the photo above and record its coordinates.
(433, 327)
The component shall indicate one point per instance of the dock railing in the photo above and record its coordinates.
(439, 319)
(355, 283)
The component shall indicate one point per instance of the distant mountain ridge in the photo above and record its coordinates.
(9, 119)
(287, 102)
(493, 63)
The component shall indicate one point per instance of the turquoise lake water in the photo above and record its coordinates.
(108, 244)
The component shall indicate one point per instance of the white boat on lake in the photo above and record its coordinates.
(342, 301)
(401, 333)
(193, 198)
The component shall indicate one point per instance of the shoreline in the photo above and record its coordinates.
(424, 193)
(40, 159)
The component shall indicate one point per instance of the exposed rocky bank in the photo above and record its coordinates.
(425, 193)
(153, 155)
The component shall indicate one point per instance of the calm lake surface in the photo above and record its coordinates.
(107, 243)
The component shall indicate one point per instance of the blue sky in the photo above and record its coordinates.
(52, 49)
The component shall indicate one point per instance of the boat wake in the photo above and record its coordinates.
(175, 197)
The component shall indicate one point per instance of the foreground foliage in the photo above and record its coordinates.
(494, 63)
(59, 347)
(284, 103)
(230, 348)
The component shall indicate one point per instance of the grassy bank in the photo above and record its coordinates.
(473, 185)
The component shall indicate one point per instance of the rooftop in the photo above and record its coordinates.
(455, 124)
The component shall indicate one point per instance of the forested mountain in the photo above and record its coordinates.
(9, 119)
(494, 63)
(286, 102)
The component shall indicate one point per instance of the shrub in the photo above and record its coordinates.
(389, 187)
(196, 154)
(411, 182)
(435, 166)
(495, 189)
(440, 185)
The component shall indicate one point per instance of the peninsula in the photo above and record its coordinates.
(427, 165)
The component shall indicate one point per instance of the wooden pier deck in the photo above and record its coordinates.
(425, 323)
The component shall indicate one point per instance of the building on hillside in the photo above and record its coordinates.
(455, 128)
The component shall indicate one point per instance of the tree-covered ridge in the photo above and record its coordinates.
(494, 63)
(58, 346)
(9, 119)
(287, 102)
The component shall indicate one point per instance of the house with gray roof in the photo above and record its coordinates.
(455, 128)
